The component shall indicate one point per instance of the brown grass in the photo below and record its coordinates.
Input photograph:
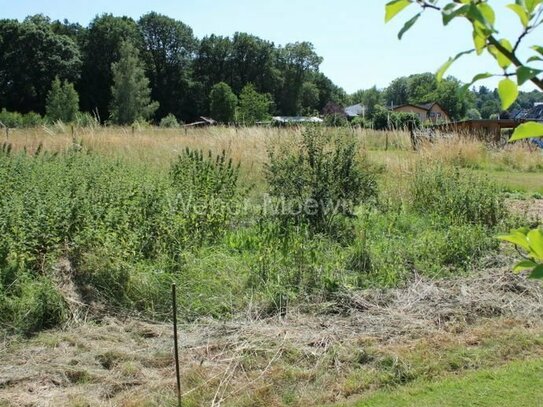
(358, 343)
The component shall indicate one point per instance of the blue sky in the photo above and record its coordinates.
(359, 50)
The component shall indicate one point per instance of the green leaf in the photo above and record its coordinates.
(449, 13)
(537, 273)
(476, 78)
(441, 71)
(503, 60)
(535, 238)
(532, 4)
(517, 239)
(534, 58)
(538, 49)
(508, 91)
(524, 265)
(525, 73)
(521, 13)
(527, 130)
(487, 12)
(479, 40)
(394, 7)
(408, 25)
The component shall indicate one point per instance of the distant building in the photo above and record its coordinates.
(355, 110)
(533, 114)
(433, 112)
(295, 120)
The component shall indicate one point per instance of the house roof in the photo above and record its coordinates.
(425, 106)
(355, 110)
(296, 119)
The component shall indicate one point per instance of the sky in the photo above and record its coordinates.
(358, 48)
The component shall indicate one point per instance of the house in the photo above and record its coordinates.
(433, 112)
(355, 110)
(533, 114)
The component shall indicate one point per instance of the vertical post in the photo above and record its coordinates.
(7, 133)
(72, 131)
(386, 141)
(176, 348)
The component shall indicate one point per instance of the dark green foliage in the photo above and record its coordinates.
(62, 102)
(320, 179)
(222, 103)
(31, 56)
(168, 49)
(101, 48)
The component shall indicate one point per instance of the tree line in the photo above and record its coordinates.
(121, 70)
(181, 69)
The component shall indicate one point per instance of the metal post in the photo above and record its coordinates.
(176, 349)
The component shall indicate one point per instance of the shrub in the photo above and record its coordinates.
(11, 119)
(321, 179)
(461, 196)
(169, 121)
(208, 194)
(384, 119)
(85, 119)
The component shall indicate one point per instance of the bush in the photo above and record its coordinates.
(461, 196)
(169, 121)
(85, 119)
(208, 194)
(320, 180)
(11, 119)
(384, 119)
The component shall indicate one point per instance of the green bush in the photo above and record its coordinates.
(169, 121)
(384, 119)
(461, 196)
(320, 180)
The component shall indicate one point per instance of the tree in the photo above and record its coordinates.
(102, 47)
(168, 49)
(131, 99)
(62, 102)
(397, 93)
(309, 98)
(31, 56)
(481, 16)
(296, 61)
(223, 103)
(253, 106)
(473, 114)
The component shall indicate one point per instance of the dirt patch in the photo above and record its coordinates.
(129, 363)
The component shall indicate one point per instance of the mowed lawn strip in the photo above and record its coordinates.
(516, 384)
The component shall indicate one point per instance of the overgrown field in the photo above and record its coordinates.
(237, 218)
(260, 223)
